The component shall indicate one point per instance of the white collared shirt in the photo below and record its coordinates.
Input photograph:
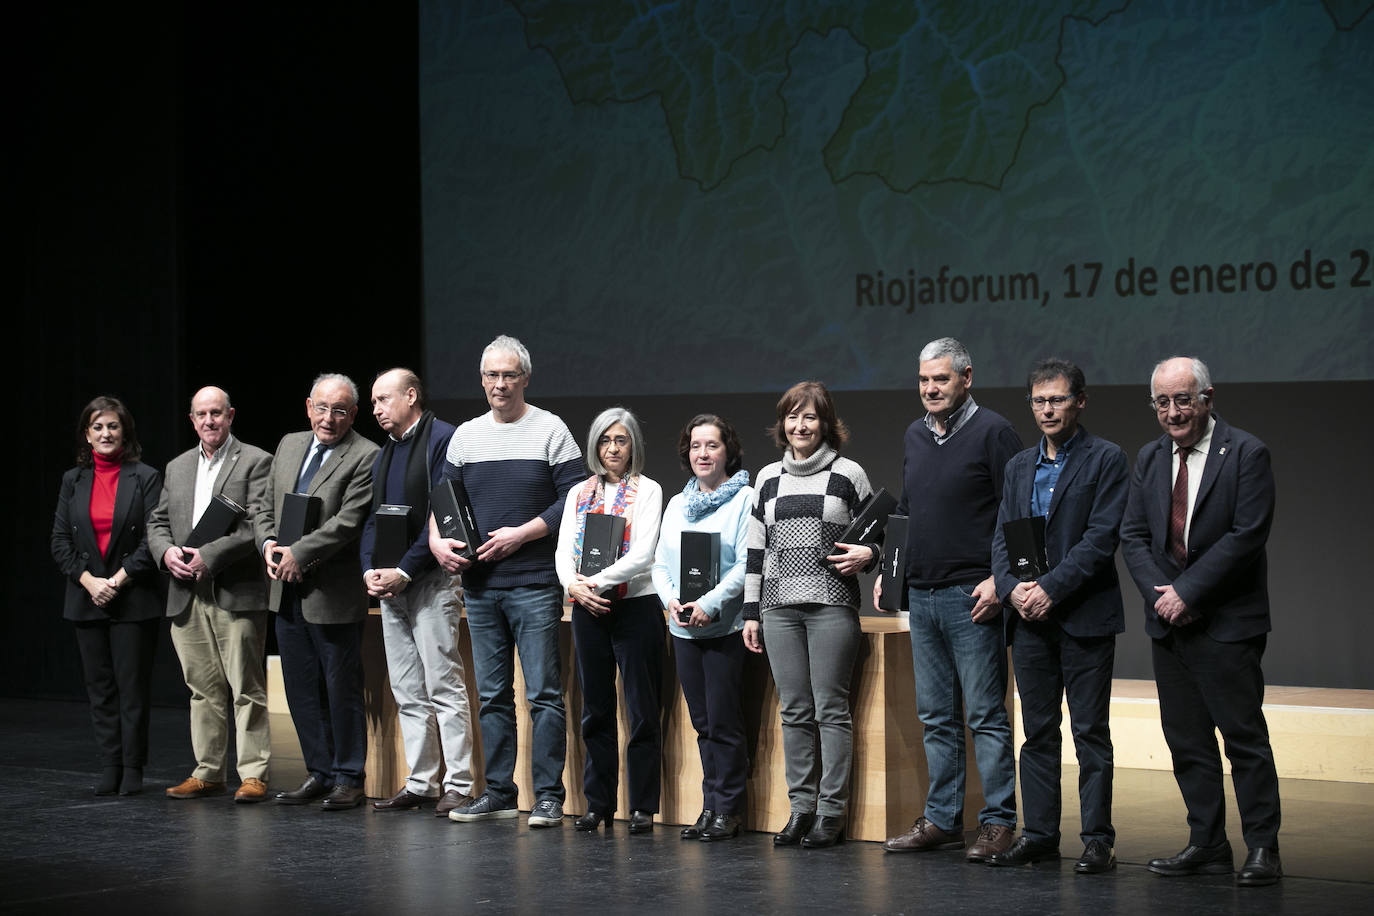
(207, 470)
(1197, 460)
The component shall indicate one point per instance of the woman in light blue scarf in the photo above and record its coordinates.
(709, 647)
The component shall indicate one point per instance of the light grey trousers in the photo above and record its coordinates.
(811, 649)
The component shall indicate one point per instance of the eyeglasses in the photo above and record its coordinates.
(618, 441)
(320, 410)
(1181, 401)
(488, 376)
(1057, 401)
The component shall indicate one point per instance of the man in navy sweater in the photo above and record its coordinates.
(419, 600)
(951, 488)
(517, 463)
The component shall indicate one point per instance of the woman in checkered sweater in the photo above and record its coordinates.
(801, 600)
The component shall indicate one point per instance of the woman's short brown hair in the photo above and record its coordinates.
(734, 453)
(132, 450)
(833, 431)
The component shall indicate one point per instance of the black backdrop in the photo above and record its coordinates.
(232, 197)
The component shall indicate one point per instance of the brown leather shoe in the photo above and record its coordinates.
(992, 839)
(450, 800)
(924, 837)
(252, 790)
(195, 788)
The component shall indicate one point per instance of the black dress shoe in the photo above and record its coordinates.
(109, 780)
(1097, 857)
(693, 831)
(641, 822)
(1261, 867)
(722, 827)
(1195, 860)
(403, 800)
(589, 821)
(1024, 851)
(342, 798)
(314, 787)
(131, 782)
(827, 831)
(797, 826)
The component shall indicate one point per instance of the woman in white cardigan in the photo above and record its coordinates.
(617, 622)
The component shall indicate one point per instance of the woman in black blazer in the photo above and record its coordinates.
(100, 542)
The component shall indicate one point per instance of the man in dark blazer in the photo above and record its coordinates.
(217, 599)
(317, 592)
(1197, 519)
(1063, 631)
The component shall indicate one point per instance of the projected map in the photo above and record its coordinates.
(699, 197)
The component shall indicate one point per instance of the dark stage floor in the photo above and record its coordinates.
(63, 850)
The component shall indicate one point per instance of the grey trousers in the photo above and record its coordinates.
(811, 649)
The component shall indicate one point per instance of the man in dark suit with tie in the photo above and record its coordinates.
(1197, 519)
(1063, 631)
(217, 599)
(318, 594)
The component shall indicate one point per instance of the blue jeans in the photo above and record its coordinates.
(961, 665)
(501, 620)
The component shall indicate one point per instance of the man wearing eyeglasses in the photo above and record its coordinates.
(517, 463)
(318, 595)
(1197, 519)
(1063, 631)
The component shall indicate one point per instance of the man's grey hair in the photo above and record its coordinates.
(947, 346)
(604, 421)
(507, 344)
(1201, 374)
(335, 377)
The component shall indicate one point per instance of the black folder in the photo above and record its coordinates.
(392, 536)
(454, 516)
(893, 597)
(300, 515)
(218, 519)
(1026, 547)
(868, 522)
(602, 538)
(700, 564)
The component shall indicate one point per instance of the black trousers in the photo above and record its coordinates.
(628, 638)
(322, 671)
(1207, 686)
(117, 663)
(711, 671)
(1050, 664)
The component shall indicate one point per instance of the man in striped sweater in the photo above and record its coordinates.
(517, 463)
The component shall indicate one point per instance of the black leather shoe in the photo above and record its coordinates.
(403, 800)
(110, 776)
(342, 798)
(641, 822)
(314, 787)
(1195, 860)
(797, 827)
(1097, 857)
(1261, 867)
(827, 831)
(722, 827)
(131, 782)
(693, 831)
(1024, 851)
(589, 821)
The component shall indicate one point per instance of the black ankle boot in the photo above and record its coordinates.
(797, 826)
(827, 831)
(108, 784)
(132, 781)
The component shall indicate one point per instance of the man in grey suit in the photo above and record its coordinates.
(217, 600)
(318, 594)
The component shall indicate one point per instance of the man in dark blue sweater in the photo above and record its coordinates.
(517, 463)
(419, 601)
(951, 488)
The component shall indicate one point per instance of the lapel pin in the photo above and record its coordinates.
(1222, 451)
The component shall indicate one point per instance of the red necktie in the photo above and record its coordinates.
(1178, 510)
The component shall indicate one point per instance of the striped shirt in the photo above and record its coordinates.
(514, 472)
